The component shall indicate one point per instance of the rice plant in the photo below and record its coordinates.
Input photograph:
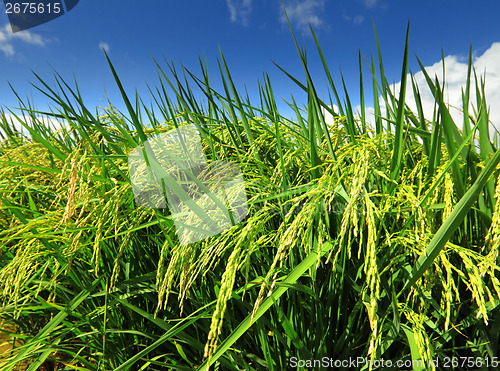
(360, 240)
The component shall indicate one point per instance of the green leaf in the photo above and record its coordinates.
(416, 357)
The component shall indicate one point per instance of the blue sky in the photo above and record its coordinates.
(251, 34)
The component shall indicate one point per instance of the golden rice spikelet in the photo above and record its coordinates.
(475, 284)
(68, 212)
(225, 291)
(372, 274)
(420, 334)
(493, 236)
(449, 287)
(20, 269)
(349, 224)
(169, 276)
(448, 196)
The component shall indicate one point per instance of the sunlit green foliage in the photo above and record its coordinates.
(361, 241)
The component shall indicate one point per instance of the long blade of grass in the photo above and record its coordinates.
(351, 124)
(237, 100)
(466, 95)
(376, 102)
(420, 111)
(362, 94)
(328, 74)
(132, 113)
(397, 152)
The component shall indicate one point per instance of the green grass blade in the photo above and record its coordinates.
(237, 100)
(362, 94)
(351, 124)
(416, 357)
(397, 152)
(328, 74)
(421, 117)
(466, 96)
(376, 103)
(132, 113)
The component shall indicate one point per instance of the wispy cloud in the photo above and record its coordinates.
(363, 7)
(239, 10)
(7, 39)
(304, 12)
(356, 20)
(370, 3)
(105, 46)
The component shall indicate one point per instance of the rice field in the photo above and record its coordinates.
(362, 238)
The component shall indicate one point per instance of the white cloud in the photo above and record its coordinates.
(7, 49)
(328, 117)
(105, 46)
(304, 12)
(239, 10)
(7, 39)
(487, 65)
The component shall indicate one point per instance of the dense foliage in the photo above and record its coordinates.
(361, 240)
